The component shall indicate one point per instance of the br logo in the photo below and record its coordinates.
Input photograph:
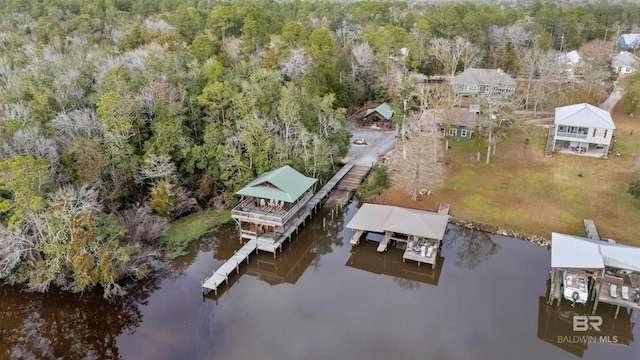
(583, 323)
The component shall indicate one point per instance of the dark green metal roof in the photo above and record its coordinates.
(383, 109)
(283, 184)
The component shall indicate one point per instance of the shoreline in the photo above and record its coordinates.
(497, 230)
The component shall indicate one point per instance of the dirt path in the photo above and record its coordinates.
(613, 99)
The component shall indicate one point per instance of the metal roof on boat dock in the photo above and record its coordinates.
(381, 218)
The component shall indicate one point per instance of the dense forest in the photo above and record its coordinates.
(117, 116)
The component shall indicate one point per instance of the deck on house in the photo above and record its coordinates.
(590, 229)
(266, 242)
(222, 274)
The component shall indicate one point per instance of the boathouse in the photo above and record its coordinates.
(613, 269)
(422, 231)
(270, 201)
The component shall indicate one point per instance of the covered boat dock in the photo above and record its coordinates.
(422, 231)
(614, 270)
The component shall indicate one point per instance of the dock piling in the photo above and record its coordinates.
(257, 243)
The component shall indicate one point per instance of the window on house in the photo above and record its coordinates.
(453, 132)
(463, 132)
(599, 133)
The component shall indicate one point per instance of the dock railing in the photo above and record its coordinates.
(278, 220)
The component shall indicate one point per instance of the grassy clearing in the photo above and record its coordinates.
(191, 227)
(525, 191)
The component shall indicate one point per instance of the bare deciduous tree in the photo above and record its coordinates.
(296, 64)
(497, 114)
(159, 91)
(13, 242)
(81, 123)
(142, 225)
(362, 63)
(29, 142)
(157, 167)
(595, 55)
(347, 33)
(412, 167)
(453, 52)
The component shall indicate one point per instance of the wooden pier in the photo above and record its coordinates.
(346, 187)
(222, 274)
(551, 139)
(265, 242)
(353, 178)
(590, 229)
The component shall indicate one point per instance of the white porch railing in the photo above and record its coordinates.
(571, 135)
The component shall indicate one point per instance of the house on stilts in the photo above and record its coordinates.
(270, 202)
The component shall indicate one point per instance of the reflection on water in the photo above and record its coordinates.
(62, 325)
(407, 275)
(473, 246)
(555, 326)
(319, 299)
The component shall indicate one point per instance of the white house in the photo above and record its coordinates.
(583, 129)
(570, 62)
(624, 63)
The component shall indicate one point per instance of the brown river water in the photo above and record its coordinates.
(322, 299)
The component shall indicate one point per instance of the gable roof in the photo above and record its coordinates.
(584, 115)
(284, 184)
(473, 76)
(381, 218)
(629, 40)
(572, 57)
(624, 59)
(463, 117)
(383, 109)
(568, 251)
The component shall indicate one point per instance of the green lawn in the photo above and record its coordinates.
(523, 190)
(191, 227)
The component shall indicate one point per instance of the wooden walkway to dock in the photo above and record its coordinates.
(590, 229)
(222, 274)
(317, 198)
(353, 178)
(444, 209)
(266, 242)
(551, 138)
(346, 187)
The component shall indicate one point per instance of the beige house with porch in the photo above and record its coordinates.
(583, 129)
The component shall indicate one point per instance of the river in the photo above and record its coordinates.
(322, 299)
